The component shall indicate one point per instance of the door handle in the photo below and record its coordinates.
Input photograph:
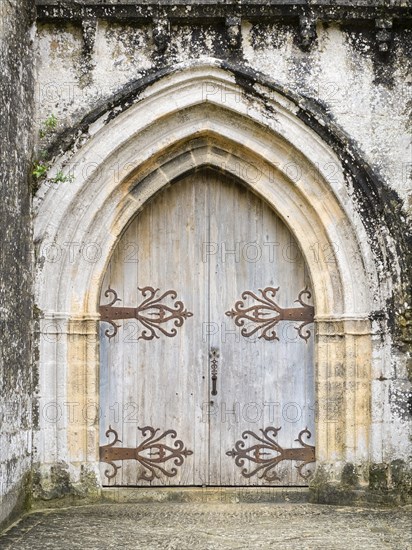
(214, 356)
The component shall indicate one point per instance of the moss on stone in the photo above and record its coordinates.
(390, 484)
(349, 476)
(378, 477)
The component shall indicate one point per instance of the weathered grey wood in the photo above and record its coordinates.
(255, 376)
(209, 239)
(162, 377)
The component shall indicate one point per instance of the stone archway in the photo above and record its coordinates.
(197, 117)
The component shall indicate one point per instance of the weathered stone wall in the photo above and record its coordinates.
(350, 68)
(355, 69)
(16, 301)
(365, 92)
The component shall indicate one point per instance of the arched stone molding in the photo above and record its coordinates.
(193, 118)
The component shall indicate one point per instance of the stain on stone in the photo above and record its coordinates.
(57, 484)
(378, 477)
(400, 398)
(349, 475)
(265, 35)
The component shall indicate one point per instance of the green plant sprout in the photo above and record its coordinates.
(40, 169)
(49, 125)
(61, 178)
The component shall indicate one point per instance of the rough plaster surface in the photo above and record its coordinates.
(369, 98)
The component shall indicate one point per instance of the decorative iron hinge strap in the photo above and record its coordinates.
(152, 313)
(264, 314)
(265, 454)
(156, 453)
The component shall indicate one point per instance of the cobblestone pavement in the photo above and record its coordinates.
(175, 526)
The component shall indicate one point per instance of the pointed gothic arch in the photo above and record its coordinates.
(191, 118)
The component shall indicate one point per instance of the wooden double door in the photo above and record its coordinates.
(206, 344)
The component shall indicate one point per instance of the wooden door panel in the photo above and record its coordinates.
(265, 383)
(162, 380)
(209, 239)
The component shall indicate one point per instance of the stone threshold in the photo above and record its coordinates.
(228, 495)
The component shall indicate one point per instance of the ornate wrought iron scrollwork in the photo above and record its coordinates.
(266, 314)
(156, 453)
(152, 313)
(266, 454)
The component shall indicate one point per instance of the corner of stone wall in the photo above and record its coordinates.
(16, 502)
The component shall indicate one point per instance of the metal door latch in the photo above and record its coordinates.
(214, 356)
